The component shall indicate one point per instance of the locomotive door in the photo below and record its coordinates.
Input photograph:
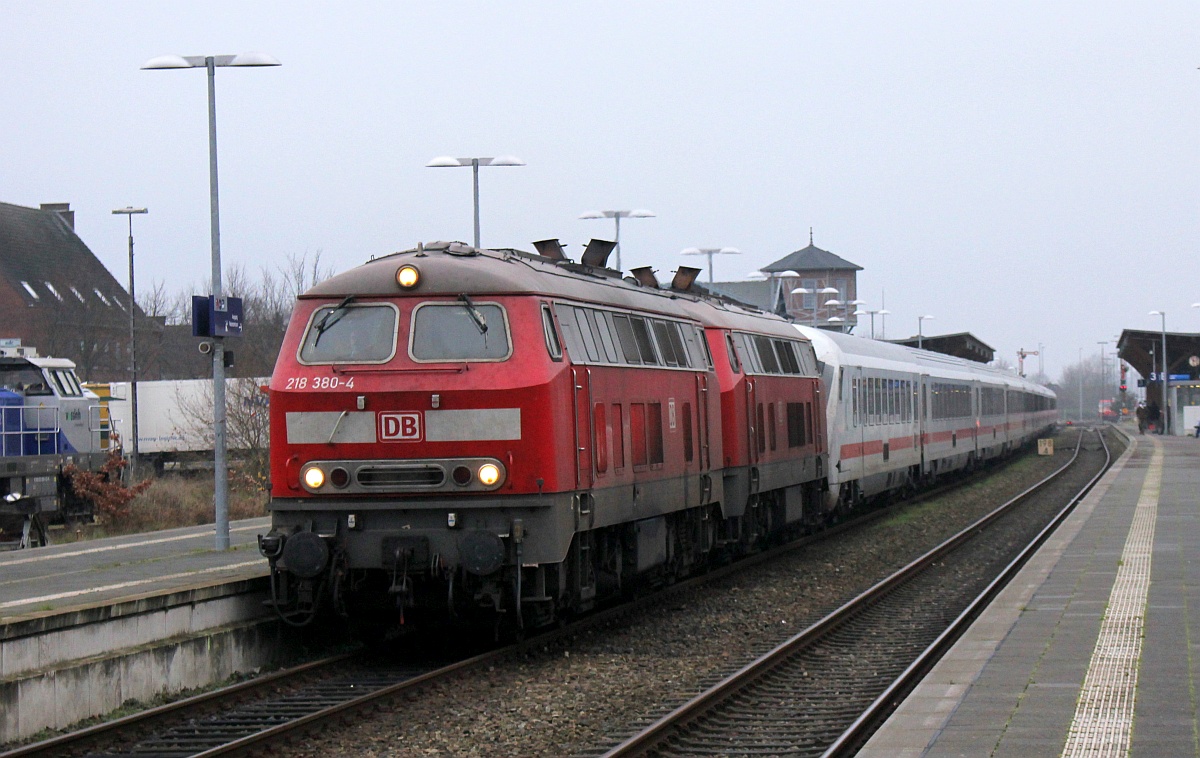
(581, 379)
(751, 421)
(703, 461)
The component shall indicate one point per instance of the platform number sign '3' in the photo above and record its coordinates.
(400, 427)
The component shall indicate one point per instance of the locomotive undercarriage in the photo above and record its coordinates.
(396, 569)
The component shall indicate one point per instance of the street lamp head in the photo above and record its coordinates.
(166, 61)
(445, 161)
(129, 210)
(802, 291)
(835, 319)
(729, 251)
(1196, 305)
(828, 291)
(756, 275)
(924, 316)
(254, 59)
(861, 312)
(641, 213)
(686, 250)
(833, 302)
(1157, 313)
(201, 61)
(590, 214)
(884, 312)
(506, 160)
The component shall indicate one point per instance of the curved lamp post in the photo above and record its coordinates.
(617, 216)
(211, 63)
(445, 161)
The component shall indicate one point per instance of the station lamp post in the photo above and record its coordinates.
(1166, 417)
(709, 252)
(921, 332)
(220, 465)
(445, 161)
(617, 216)
(129, 213)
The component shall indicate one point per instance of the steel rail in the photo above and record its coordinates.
(654, 735)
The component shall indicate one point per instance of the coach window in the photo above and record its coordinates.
(353, 333)
(552, 344)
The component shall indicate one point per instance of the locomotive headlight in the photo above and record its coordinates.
(489, 474)
(408, 276)
(314, 478)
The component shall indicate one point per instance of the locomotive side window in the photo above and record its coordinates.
(552, 345)
(603, 328)
(645, 344)
(625, 336)
(345, 333)
(665, 347)
(733, 358)
(766, 355)
(460, 331)
(585, 331)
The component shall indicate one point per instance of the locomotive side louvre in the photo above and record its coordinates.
(900, 416)
(598, 408)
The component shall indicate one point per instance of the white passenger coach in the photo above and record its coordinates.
(898, 416)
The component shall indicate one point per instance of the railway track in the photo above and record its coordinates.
(825, 690)
(251, 715)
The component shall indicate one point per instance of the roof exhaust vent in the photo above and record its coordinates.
(645, 276)
(684, 276)
(551, 249)
(596, 253)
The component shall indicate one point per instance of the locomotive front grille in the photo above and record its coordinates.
(401, 476)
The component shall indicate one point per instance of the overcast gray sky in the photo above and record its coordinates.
(1022, 171)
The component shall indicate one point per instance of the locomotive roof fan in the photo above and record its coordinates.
(551, 249)
(645, 276)
(684, 277)
(596, 253)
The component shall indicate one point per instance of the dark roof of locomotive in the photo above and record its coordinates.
(451, 269)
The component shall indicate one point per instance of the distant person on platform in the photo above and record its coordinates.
(1140, 412)
(1153, 416)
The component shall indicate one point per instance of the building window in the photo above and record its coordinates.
(53, 291)
(31, 291)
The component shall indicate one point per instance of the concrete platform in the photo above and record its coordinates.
(88, 626)
(1089, 650)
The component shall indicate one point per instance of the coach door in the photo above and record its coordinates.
(922, 420)
(582, 382)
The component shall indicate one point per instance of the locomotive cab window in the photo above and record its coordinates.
(350, 333)
(459, 331)
(552, 345)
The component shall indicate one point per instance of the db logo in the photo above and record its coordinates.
(400, 427)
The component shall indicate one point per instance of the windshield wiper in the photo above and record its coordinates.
(326, 323)
(476, 316)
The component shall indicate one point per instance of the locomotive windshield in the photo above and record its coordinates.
(463, 331)
(346, 333)
(26, 380)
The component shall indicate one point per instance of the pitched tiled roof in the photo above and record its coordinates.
(47, 263)
(809, 259)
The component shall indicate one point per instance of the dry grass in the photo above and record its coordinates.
(178, 500)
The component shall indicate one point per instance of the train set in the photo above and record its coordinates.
(461, 433)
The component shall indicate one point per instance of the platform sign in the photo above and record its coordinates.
(219, 317)
(1046, 447)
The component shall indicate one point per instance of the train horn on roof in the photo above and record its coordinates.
(551, 249)
(596, 253)
(645, 275)
(684, 276)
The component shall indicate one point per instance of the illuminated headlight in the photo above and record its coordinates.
(489, 474)
(407, 277)
(314, 478)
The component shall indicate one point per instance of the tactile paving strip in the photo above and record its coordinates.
(1103, 723)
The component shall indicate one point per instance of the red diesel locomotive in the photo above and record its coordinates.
(458, 432)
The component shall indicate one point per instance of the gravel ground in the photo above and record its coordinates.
(569, 696)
